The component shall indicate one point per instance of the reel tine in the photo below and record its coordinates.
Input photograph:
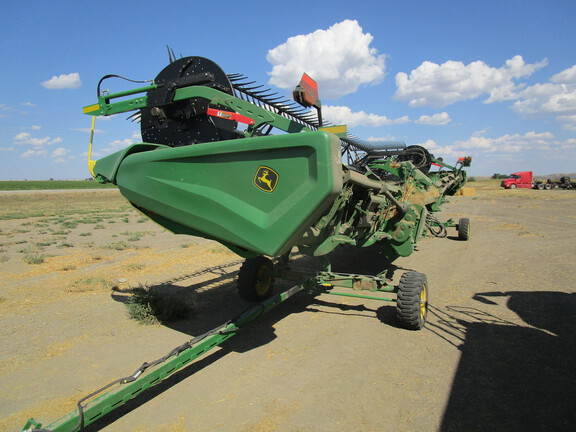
(267, 98)
(135, 117)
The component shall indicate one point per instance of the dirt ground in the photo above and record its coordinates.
(496, 354)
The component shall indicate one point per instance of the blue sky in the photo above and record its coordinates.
(492, 79)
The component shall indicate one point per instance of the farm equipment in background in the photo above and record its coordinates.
(228, 160)
(562, 183)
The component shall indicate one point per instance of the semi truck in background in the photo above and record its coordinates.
(525, 179)
(522, 179)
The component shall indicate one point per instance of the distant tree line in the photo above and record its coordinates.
(499, 176)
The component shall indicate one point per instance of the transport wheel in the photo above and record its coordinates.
(464, 229)
(256, 279)
(512, 186)
(412, 301)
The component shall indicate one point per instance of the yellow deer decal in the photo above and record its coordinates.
(266, 179)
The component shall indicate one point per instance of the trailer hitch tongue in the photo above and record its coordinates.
(100, 402)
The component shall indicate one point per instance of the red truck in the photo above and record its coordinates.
(525, 179)
(522, 179)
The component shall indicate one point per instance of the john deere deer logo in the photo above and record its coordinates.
(266, 179)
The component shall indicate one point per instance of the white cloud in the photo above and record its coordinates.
(69, 81)
(567, 122)
(554, 99)
(58, 155)
(87, 130)
(28, 104)
(7, 148)
(339, 59)
(567, 76)
(59, 152)
(33, 152)
(112, 147)
(25, 138)
(505, 144)
(120, 144)
(430, 145)
(438, 119)
(547, 99)
(344, 115)
(453, 81)
(480, 132)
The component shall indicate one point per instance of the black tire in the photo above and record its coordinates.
(412, 301)
(464, 229)
(547, 186)
(512, 186)
(540, 186)
(256, 279)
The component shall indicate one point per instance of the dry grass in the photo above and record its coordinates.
(89, 284)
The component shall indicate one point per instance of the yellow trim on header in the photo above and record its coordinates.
(91, 163)
(339, 130)
(91, 108)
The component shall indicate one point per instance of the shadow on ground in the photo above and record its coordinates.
(511, 377)
(216, 301)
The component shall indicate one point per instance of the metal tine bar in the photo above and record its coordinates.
(262, 92)
(243, 84)
(268, 95)
(270, 100)
(275, 99)
(251, 89)
(236, 76)
(134, 117)
(297, 109)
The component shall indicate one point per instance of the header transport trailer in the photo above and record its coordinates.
(225, 159)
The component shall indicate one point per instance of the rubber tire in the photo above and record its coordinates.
(512, 186)
(547, 186)
(412, 301)
(256, 279)
(540, 186)
(464, 229)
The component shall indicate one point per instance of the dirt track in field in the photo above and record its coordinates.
(497, 353)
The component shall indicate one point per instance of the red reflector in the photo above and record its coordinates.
(310, 90)
(227, 115)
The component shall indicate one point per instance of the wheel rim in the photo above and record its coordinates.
(263, 280)
(423, 301)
